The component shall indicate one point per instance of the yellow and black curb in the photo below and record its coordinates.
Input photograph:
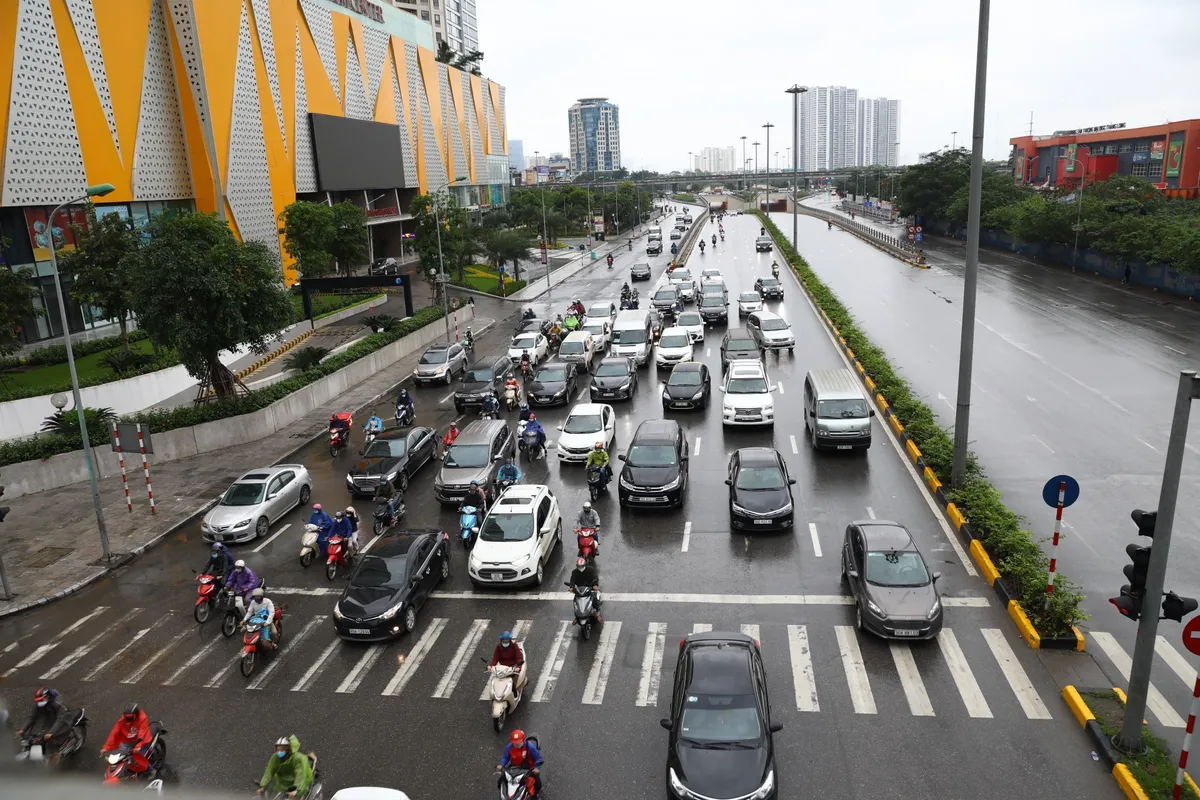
(1105, 749)
(933, 484)
(246, 372)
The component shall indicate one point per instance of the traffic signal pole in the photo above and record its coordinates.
(1130, 737)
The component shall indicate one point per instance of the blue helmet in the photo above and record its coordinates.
(506, 636)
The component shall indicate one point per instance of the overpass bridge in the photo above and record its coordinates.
(740, 180)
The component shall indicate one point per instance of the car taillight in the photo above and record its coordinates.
(681, 641)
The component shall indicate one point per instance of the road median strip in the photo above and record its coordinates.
(1016, 567)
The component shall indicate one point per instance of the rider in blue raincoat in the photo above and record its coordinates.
(324, 523)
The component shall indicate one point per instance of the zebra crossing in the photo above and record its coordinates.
(965, 671)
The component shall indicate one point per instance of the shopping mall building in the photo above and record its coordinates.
(237, 107)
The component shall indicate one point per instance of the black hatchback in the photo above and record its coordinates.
(760, 491)
(721, 735)
(769, 288)
(689, 386)
(554, 384)
(390, 584)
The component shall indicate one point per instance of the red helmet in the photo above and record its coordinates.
(517, 738)
(533, 416)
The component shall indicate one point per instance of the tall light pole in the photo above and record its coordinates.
(99, 190)
(953, 140)
(755, 170)
(768, 126)
(966, 349)
(1078, 226)
(795, 92)
(436, 194)
(744, 186)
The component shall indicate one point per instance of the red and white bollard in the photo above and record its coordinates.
(455, 312)
(1187, 742)
(121, 459)
(146, 469)
(1062, 494)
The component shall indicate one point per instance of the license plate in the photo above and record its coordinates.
(606, 394)
(904, 632)
(680, 405)
(745, 419)
(762, 522)
(360, 631)
(845, 447)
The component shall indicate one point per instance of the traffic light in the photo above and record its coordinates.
(1176, 608)
(1134, 592)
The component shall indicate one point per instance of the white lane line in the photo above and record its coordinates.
(816, 540)
(1173, 350)
(753, 631)
(141, 671)
(792, 439)
(1143, 441)
(856, 671)
(606, 651)
(1014, 673)
(702, 627)
(195, 658)
(279, 656)
(555, 660)
(802, 669)
(219, 677)
(1193, 448)
(519, 631)
(946, 400)
(1164, 324)
(444, 399)
(696, 449)
(37, 654)
(314, 671)
(964, 679)
(656, 639)
(687, 536)
(412, 662)
(779, 385)
(1175, 661)
(137, 637)
(365, 549)
(81, 651)
(13, 645)
(1043, 444)
(462, 657)
(359, 671)
(271, 538)
(870, 512)
(910, 679)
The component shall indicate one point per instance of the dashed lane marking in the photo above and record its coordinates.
(802, 669)
(792, 439)
(816, 540)
(271, 538)
(687, 536)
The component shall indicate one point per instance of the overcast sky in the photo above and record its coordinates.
(694, 73)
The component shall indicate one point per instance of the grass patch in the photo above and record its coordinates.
(684, 198)
(1155, 768)
(325, 304)
(486, 279)
(91, 369)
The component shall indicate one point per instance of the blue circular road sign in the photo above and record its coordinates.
(1050, 491)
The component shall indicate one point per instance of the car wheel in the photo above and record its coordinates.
(402, 482)
(261, 528)
(858, 623)
(445, 573)
(540, 575)
(558, 533)
(410, 619)
(305, 494)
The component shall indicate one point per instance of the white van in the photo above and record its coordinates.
(837, 415)
(655, 233)
(631, 335)
(579, 346)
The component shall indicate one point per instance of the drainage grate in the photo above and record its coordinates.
(46, 556)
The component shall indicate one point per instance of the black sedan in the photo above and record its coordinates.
(895, 594)
(639, 272)
(722, 738)
(554, 384)
(616, 378)
(689, 386)
(769, 288)
(760, 491)
(390, 584)
(396, 455)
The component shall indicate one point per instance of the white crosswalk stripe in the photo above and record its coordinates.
(606, 650)
(802, 669)
(1175, 661)
(519, 632)
(555, 659)
(1014, 673)
(84, 649)
(280, 655)
(964, 679)
(15, 643)
(656, 640)
(225, 671)
(358, 672)
(1157, 704)
(856, 671)
(416, 656)
(194, 659)
(37, 654)
(752, 631)
(130, 642)
(702, 627)
(141, 671)
(458, 664)
(910, 679)
(316, 668)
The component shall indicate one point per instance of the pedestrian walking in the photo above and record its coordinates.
(1128, 274)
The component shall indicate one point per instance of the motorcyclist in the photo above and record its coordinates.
(701, 245)
(556, 331)
(476, 496)
(521, 752)
(404, 402)
(714, 240)
(289, 770)
(324, 524)
(610, 259)
(509, 653)
(508, 471)
(218, 563)
(374, 424)
(385, 492)
(630, 243)
(49, 718)
(586, 574)
(588, 518)
(354, 520)
(529, 314)
(260, 602)
(599, 458)
(572, 322)
(450, 437)
(131, 732)
(525, 413)
(340, 423)
(829, 223)
(469, 340)
(242, 581)
(526, 364)
(577, 307)
(775, 268)
(490, 404)
(625, 290)
(342, 526)
(512, 383)
(536, 427)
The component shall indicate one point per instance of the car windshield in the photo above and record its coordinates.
(651, 455)
(583, 423)
(434, 357)
(854, 408)
(769, 282)
(599, 311)
(773, 325)
(760, 478)
(629, 336)
(378, 578)
(614, 370)
(386, 448)
(665, 295)
(507, 528)
(675, 340)
(753, 385)
(895, 568)
(571, 348)
(681, 276)
(595, 329)
(556, 374)
(690, 318)
(749, 297)
(470, 456)
(720, 718)
(524, 343)
(741, 345)
(689, 378)
(243, 494)
(711, 300)
(478, 376)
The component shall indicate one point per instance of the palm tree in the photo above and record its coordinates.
(469, 61)
(468, 245)
(444, 54)
(380, 322)
(305, 358)
(66, 423)
(507, 245)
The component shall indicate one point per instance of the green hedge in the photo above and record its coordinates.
(325, 304)
(16, 451)
(57, 353)
(1021, 562)
(684, 198)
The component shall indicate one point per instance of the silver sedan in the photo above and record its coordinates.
(255, 501)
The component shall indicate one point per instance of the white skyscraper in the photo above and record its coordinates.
(878, 131)
(715, 159)
(595, 131)
(838, 129)
(453, 21)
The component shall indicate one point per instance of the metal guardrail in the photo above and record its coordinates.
(864, 231)
(688, 242)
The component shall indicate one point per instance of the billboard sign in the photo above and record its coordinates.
(1174, 158)
(36, 221)
(1141, 158)
(598, 223)
(1156, 150)
(1071, 157)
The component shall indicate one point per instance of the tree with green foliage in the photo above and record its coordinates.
(102, 266)
(199, 291)
(997, 190)
(509, 245)
(452, 220)
(927, 189)
(308, 232)
(348, 244)
(16, 305)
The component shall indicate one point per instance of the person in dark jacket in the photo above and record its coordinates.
(218, 564)
(509, 653)
(586, 574)
(50, 718)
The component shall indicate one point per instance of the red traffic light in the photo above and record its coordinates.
(1128, 605)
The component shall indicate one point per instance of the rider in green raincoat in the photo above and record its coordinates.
(289, 770)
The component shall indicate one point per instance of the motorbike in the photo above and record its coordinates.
(122, 766)
(589, 548)
(383, 520)
(516, 782)
(674, 248)
(504, 693)
(234, 611)
(368, 438)
(468, 525)
(526, 369)
(404, 416)
(504, 483)
(469, 342)
(338, 438)
(529, 445)
(309, 548)
(631, 245)
(597, 481)
(252, 643)
(610, 262)
(339, 556)
(774, 272)
(585, 609)
(208, 594)
(510, 397)
(34, 748)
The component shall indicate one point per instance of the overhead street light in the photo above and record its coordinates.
(795, 92)
(768, 126)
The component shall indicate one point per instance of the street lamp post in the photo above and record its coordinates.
(795, 92)
(98, 190)
(1078, 226)
(744, 186)
(953, 140)
(768, 126)
(437, 226)
(755, 171)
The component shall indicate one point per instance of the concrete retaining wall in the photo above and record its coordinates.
(29, 477)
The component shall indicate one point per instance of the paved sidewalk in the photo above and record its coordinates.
(51, 546)
(835, 206)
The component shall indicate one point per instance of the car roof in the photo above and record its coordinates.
(766, 278)
(738, 333)
(765, 314)
(747, 368)
(518, 499)
(675, 329)
(624, 361)
(758, 456)
(369, 793)
(439, 346)
(479, 431)
(749, 296)
(720, 663)
(394, 433)
(586, 408)
(263, 473)
(399, 542)
(657, 430)
(577, 335)
(688, 366)
(884, 534)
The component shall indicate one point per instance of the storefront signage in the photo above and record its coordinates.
(40, 232)
(1156, 150)
(392, 211)
(1071, 157)
(367, 9)
(1141, 158)
(1116, 126)
(1174, 158)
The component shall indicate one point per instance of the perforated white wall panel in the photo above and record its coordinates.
(266, 41)
(43, 164)
(413, 72)
(435, 168)
(189, 45)
(83, 19)
(462, 169)
(376, 46)
(306, 165)
(160, 158)
(472, 121)
(246, 188)
(489, 111)
(356, 92)
(406, 148)
(502, 122)
(320, 24)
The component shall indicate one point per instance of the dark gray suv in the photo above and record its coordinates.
(476, 455)
(485, 376)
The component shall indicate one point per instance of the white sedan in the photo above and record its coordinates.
(534, 343)
(587, 424)
(674, 345)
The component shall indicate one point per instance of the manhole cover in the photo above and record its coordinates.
(45, 557)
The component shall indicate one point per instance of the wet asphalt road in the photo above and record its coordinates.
(963, 717)
(1072, 375)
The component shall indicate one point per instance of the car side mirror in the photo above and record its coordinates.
(871, 412)
(720, 388)
(776, 727)
(560, 427)
(496, 457)
(728, 482)
(772, 388)
(272, 495)
(666, 723)
(791, 481)
(851, 572)
(936, 575)
(620, 458)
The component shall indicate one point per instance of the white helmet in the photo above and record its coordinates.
(239, 564)
(587, 505)
(257, 592)
(350, 510)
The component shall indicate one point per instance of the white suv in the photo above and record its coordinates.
(747, 393)
(516, 538)
(674, 345)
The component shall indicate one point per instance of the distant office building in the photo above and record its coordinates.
(516, 153)
(453, 21)
(595, 128)
(838, 129)
(878, 131)
(715, 159)
(537, 161)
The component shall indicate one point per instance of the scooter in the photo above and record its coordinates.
(338, 550)
(123, 766)
(338, 437)
(529, 444)
(516, 782)
(383, 520)
(308, 544)
(610, 262)
(33, 747)
(468, 525)
(208, 596)
(504, 692)
(589, 548)
(369, 437)
(235, 612)
(596, 481)
(510, 397)
(404, 416)
(585, 609)
(252, 640)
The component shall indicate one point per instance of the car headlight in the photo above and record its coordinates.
(522, 561)
(439, 370)
(391, 612)
(624, 483)
(698, 395)
(677, 785)
(934, 609)
(675, 484)
(768, 410)
(391, 476)
(874, 609)
(767, 787)
(740, 509)
(337, 613)
(560, 392)
(242, 524)
(625, 385)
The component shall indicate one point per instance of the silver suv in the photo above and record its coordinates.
(475, 456)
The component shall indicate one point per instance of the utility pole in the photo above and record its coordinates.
(744, 186)
(755, 171)
(795, 92)
(768, 126)
(966, 349)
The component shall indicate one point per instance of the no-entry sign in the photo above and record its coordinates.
(1191, 636)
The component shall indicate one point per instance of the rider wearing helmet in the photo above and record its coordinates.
(533, 425)
(404, 401)
(585, 574)
(259, 602)
(599, 458)
(475, 496)
(509, 653)
(374, 424)
(522, 752)
(49, 718)
(508, 471)
(385, 492)
(242, 581)
(588, 518)
(218, 564)
(131, 732)
(289, 770)
(525, 412)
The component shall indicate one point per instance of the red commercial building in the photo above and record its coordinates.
(1166, 155)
